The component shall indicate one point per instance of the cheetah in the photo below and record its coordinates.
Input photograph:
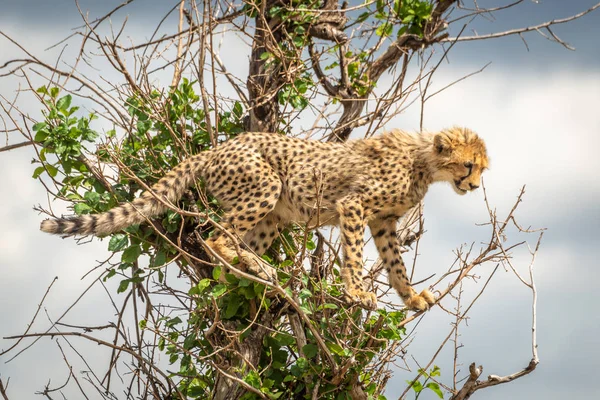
(264, 182)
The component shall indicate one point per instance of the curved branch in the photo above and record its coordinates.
(523, 30)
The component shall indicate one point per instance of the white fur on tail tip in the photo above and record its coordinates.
(48, 225)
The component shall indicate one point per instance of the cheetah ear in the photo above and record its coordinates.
(442, 144)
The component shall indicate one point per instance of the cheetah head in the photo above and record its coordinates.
(460, 158)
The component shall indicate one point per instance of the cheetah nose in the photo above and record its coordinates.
(473, 187)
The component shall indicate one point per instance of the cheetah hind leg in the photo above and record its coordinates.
(247, 261)
(248, 204)
(257, 266)
(259, 239)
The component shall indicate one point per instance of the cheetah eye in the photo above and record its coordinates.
(468, 164)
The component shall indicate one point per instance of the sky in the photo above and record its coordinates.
(537, 111)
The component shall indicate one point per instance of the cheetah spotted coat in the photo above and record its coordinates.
(266, 181)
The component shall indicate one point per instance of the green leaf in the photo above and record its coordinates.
(284, 339)
(195, 391)
(81, 208)
(42, 90)
(160, 258)
(328, 306)
(112, 272)
(38, 126)
(190, 341)
(266, 55)
(38, 171)
(216, 272)
(244, 282)
(232, 306)
(305, 294)
(41, 135)
(173, 321)
(402, 30)
(384, 29)
(144, 126)
(203, 284)
(238, 111)
(363, 17)
(230, 278)
(353, 69)
(310, 350)
(123, 285)
(336, 348)
(302, 363)
(435, 388)
(64, 102)
(332, 66)
(92, 197)
(54, 92)
(218, 290)
(52, 171)
(124, 266)
(408, 19)
(253, 379)
(118, 242)
(417, 386)
(131, 254)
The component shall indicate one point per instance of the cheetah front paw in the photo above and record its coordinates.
(367, 300)
(257, 266)
(421, 302)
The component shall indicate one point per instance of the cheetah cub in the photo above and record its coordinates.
(266, 181)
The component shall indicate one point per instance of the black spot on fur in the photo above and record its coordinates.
(60, 225)
(93, 224)
(76, 227)
(380, 233)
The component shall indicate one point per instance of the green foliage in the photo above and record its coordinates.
(295, 94)
(295, 24)
(410, 16)
(285, 370)
(418, 387)
(153, 147)
(63, 134)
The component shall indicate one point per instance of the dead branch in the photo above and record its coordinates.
(3, 389)
(518, 31)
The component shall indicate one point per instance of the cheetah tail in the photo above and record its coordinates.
(170, 188)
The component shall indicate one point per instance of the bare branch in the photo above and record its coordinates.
(15, 146)
(525, 29)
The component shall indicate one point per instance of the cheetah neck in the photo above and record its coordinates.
(418, 145)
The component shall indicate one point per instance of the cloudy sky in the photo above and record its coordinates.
(536, 109)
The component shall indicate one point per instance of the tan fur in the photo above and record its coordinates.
(266, 181)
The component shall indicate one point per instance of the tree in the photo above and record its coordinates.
(315, 61)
